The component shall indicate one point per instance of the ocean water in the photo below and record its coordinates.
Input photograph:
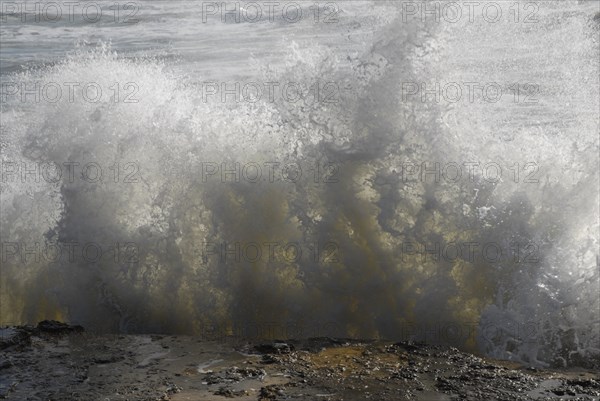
(369, 169)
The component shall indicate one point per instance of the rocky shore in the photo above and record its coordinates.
(58, 362)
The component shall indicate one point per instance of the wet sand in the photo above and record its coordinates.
(58, 362)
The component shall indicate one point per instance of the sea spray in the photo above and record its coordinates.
(358, 225)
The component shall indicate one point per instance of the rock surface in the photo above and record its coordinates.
(58, 362)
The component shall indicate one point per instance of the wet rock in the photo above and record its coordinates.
(229, 393)
(316, 344)
(268, 359)
(270, 393)
(233, 375)
(5, 364)
(5, 390)
(411, 347)
(589, 387)
(274, 348)
(10, 336)
(55, 327)
(343, 370)
(408, 345)
(172, 388)
(105, 359)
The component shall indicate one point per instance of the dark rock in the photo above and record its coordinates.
(5, 363)
(172, 388)
(269, 359)
(316, 344)
(55, 327)
(10, 336)
(270, 393)
(274, 348)
(228, 393)
(234, 374)
(104, 359)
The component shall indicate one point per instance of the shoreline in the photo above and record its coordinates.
(55, 361)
